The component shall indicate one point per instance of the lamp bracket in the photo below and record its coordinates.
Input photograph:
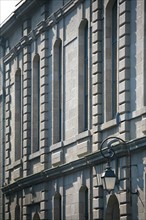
(106, 147)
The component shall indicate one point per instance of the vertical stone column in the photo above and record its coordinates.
(124, 67)
(7, 123)
(44, 202)
(125, 205)
(44, 99)
(97, 38)
(7, 137)
(26, 118)
(7, 208)
(26, 99)
(2, 45)
(26, 109)
(24, 208)
(44, 110)
(97, 198)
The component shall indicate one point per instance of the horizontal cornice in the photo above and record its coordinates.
(88, 161)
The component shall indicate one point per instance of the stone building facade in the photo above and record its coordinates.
(72, 74)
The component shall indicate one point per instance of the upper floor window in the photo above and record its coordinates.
(114, 59)
(18, 115)
(110, 80)
(83, 76)
(57, 92)
(35, 130)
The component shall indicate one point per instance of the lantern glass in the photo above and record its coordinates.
(108, 179)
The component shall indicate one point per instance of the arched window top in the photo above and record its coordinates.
(57, 195)
(18, 77)
(36, 216)
(110, 5)
(57, 42)
(83, 23)
(112, 200)
(36, 58)
(18, 71)
(83, 188)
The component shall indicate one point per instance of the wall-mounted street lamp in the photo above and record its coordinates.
(108, 176)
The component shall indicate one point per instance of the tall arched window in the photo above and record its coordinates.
(57, 206)
(18, 115)
(83, 203)
(83, 77)
(110, 86)
(114, 59)
(35, 104)
(57, 92)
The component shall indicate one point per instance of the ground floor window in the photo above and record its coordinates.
(113, 211)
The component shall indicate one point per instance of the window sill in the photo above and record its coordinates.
(56, 146)
(69, 141)
(109, 124)
(15, 164)
(34, 155)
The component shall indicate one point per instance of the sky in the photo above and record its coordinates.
(6, 8)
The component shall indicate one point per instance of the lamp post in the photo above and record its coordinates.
(108, 177)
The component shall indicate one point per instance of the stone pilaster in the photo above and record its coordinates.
(97, 38)
(125, 188)
(97, 198)
(44, 99)
(25, 207)
(124, 67)
(7, 208)
(26, 100)
(7, 123)
(44, 202)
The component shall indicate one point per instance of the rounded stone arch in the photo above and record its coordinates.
(113, 210)
(36, 216)
(36, 57)
(58, 42)
(110, 4)
(83, 23)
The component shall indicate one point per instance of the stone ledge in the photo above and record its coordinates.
(83, 148)
(57, 158)
(17, 173)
